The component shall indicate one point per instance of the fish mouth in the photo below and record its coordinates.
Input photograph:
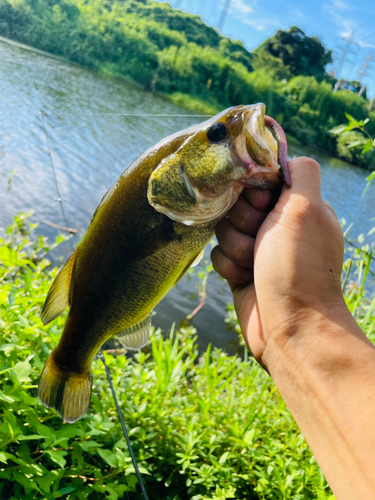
(262, 148)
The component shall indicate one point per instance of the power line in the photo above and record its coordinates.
(223, 16)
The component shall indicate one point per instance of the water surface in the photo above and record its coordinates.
(92, 143)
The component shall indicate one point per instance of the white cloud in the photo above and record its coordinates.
(346, 24)
(242, 10)
(339, 4)
(298, 13)
(241, 7)
(261, 24)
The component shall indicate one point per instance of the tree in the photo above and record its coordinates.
(300, 54)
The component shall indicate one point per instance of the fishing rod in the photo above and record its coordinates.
(110, 381)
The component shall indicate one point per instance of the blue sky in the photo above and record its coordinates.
(252, 21)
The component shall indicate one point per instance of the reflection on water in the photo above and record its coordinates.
(92, 144)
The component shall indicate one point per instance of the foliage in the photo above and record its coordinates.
(274, 66)
(175, 53)
(209, 427)
(298, 53)
(354, 142)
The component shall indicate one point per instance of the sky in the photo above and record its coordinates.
(252, 21)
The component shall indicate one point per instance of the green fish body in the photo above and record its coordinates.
(148, 230)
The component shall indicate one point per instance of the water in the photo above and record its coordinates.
(92, 144)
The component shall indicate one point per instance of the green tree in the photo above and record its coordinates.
(301, 54)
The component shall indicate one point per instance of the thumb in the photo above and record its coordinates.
(305, 175)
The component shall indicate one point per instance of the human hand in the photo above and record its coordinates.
(295, 321)
(284, 268)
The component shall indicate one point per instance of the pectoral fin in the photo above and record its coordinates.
(136, 336)
(58, 297)
(198, 258)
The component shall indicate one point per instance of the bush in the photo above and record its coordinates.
(354, 154)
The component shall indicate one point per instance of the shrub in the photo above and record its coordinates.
(354, 154)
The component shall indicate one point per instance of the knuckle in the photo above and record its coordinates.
(220, 263)
(313, 212)
(309, 163)
(243, 251)
(244, 221)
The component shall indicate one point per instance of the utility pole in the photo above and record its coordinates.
(224, 13)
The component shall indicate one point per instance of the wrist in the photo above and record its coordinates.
(323, 343)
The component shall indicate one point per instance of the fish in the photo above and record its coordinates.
(149, 228)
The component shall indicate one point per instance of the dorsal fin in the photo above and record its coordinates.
(136, 336)
(58, 297)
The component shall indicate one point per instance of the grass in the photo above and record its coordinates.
(202, 427)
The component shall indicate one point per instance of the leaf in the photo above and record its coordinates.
(4, 457)
(5, 256)
(108, 456)
(6, 398)
(86, 445)
(131, 470)
(338, 129)
(67, 490)
(111, 492)
(3, 296)
(350, 118)
(368, 145)
(223, 457)
(354, 144)
(22, 371)
(369, 180)
(27, 437)
(249, 436)
(58, 457)
(25, 482)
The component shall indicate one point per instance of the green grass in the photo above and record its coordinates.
(202, 427)
(195, 103)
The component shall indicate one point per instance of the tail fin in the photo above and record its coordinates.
(68, 392)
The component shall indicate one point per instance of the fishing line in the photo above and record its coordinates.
(110, 381)
(141, 115)
(59, 199)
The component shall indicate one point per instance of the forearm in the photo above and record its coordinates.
(327, 379)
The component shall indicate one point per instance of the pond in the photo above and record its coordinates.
(94, 130)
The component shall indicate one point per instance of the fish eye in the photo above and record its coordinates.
(217, 132)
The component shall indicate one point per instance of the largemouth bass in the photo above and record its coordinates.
(147, 231)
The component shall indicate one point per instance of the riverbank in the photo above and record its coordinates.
(189, 102)
(175, 53)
